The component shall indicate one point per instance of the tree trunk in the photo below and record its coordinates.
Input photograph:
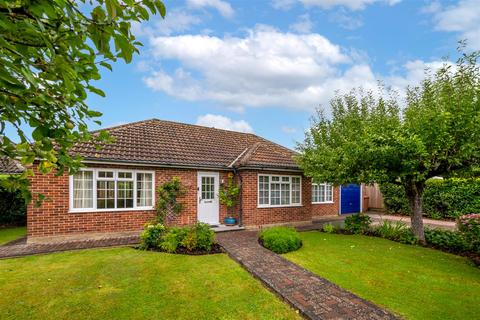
(415, 197)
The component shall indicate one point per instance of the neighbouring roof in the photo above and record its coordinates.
(9, 166)
(170, 143)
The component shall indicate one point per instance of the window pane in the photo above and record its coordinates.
(329, 193)
(83, 190)
(125, 175)
(105, 194)
(321, 195)
(285, 193)
(105, 174)
(125, 194)
(263, 190)
(296, 190)
(144, 189)
(275, 193)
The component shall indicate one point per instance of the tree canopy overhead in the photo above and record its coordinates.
(50, 55)
(374, 139)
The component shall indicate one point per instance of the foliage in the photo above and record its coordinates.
(443, 198)
(469, 225)
(328, 228)
(280, 239)
(369, 138)
(412, 281)
(228, 194)
(50, 55)
(121, 283)
(151, 235)
(13, 210)
(171, 240)
(448, 240)
(357, 223)
(199, 237)
(396, 231)
(395, 199)
(167, 206)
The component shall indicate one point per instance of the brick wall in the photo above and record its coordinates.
(328, 209)
(255, 216)
(53, 217)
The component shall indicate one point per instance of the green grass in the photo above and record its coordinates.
(10, 234)
(412, 281)
(124, 283)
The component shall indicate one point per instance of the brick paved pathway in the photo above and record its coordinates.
(314, 297)
(23, 249)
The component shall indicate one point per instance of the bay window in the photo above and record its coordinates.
(111, 189)
(322, 193)
(279, 190)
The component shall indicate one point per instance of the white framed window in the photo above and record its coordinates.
(95, 189)
(279, 190)
(322, 193)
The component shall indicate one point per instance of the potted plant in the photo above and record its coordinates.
(228, 196)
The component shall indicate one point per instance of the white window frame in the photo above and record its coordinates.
(325, 193)
(115, 178)
(270, 190)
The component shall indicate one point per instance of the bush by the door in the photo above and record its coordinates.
(196, 239)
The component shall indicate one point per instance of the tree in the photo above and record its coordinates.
(373, 139)
(50, 53)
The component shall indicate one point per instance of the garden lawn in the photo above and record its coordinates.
(124, 283)
(10, 234)
(412, 281)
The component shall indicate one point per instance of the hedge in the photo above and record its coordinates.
(447, 198)
(13, 210)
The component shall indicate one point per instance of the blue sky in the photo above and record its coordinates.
(264, 66)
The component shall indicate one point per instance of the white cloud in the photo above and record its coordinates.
(303, 24)
(463, 18)
(223, 7)
(345, 20)
(267, 68)
(264, 68)
(288, 130)
(328, 4)
(222, 122)
(176, 20)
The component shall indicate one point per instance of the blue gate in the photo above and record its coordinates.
(350, 199)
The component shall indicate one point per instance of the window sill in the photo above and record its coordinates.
(280, 206)
(327, 202)
(110, 210)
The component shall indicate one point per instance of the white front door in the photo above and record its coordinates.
(208, 205)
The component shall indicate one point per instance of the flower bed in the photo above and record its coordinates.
(464, 242)
(193, 240)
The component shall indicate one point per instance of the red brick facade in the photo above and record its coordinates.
(53, 216)
(255, 216)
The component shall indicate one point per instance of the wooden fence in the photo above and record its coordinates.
(375, 198)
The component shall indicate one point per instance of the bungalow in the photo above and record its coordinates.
(115, 191)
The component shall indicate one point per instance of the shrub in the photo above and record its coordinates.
(328, 228)
(152, 235)
(397, 231)
(205, 236)
(447, 240)
(13, 210)
(172, 239)
(470, 224)
(394, 198)
(447, 198)
(357, 223)
(280, 239)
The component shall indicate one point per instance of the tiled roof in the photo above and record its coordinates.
(170, 143)
(9, 166)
